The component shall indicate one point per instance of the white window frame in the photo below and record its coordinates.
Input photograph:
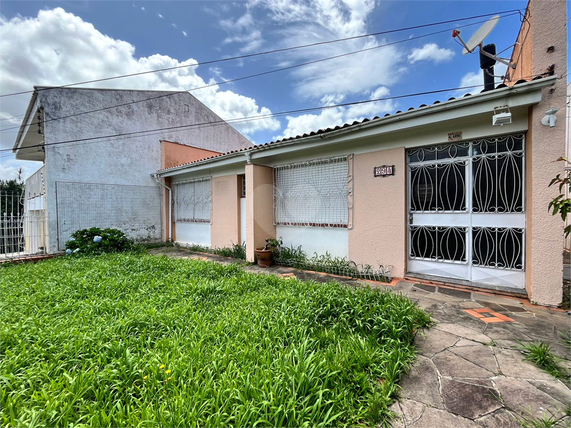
(197, 207)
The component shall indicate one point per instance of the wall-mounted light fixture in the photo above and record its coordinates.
(502, 116)
(549, 119)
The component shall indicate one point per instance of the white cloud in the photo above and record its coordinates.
(9, 168)
(242, 30)
(430, 52)
(173, 25)
(305, 123)
(160, 16)
(143, 8)
(331, 117)
(301, 23)
(57, 48)
(184, 33)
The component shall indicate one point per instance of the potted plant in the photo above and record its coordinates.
(264, 255)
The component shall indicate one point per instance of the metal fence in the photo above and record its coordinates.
(11, 223)
(23, 232)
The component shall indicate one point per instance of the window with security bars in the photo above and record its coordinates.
(192, 201)
(313, 193)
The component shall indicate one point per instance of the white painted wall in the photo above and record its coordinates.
(124, 160)
(318, 240)
(193, 233)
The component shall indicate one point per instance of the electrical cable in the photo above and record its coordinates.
(244, 77)
(245, 119)
(505, 13)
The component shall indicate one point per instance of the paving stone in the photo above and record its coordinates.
(523, 398)
(459, 294)
(464, 332)
(435, 418)
(501, 418)
(434, 341)
(466, 342)
(398, 421)
(512, 364)
(469, 401)
(494, 306)
(421, 384)
(425, 287)
(553, 388)
(481, 382)
(411, 410)
(480, 355)
(450, 364)
(470, 305)
(512, 308)
(507, 330)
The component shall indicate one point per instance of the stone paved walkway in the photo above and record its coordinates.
(469, 371)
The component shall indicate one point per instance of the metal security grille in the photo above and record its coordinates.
(466, 209)
(193, 200)
(135, 210)
(314, 193)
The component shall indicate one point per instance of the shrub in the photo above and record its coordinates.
(98, 241)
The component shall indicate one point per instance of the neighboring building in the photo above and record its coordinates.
(436, 192)
(98, 147)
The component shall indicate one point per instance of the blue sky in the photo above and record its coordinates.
(61, 42)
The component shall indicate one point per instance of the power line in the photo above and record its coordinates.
(245, 119)
(506, 13)
(245, 77)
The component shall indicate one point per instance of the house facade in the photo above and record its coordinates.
(436, 192)
(98, 146)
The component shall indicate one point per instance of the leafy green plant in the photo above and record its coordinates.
(528, 420)
(236, 251)
(274, 245)
(139, 340)
(98, 241)
(561, 204)
(295, 257)
(541, 355)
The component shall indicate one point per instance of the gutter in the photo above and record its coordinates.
(226, 158)
(157, 179)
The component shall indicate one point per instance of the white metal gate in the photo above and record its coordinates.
(466, 211)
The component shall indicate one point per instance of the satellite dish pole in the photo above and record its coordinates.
(488, 56)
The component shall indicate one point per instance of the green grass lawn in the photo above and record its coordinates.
(138, 340)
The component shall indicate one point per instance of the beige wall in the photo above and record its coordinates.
(544, 145)
(175, 154)
(259, 207)
(225, 211)
(379, 232)
(522, 54)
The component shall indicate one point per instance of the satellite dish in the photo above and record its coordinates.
(478, 38)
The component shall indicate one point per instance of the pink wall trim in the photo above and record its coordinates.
(225, 211)
(379, 234)
(259, 207)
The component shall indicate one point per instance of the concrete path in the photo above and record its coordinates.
(470, 371)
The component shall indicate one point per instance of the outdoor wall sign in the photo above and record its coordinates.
(384, 170)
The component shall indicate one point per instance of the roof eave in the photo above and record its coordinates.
(25, 120)
(400, 118)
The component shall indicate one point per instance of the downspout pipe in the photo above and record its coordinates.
(157, 179)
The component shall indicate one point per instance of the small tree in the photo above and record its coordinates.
(562, 204)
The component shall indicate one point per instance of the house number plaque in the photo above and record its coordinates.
(384, 170)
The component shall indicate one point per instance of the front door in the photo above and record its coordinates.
(466, 211)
